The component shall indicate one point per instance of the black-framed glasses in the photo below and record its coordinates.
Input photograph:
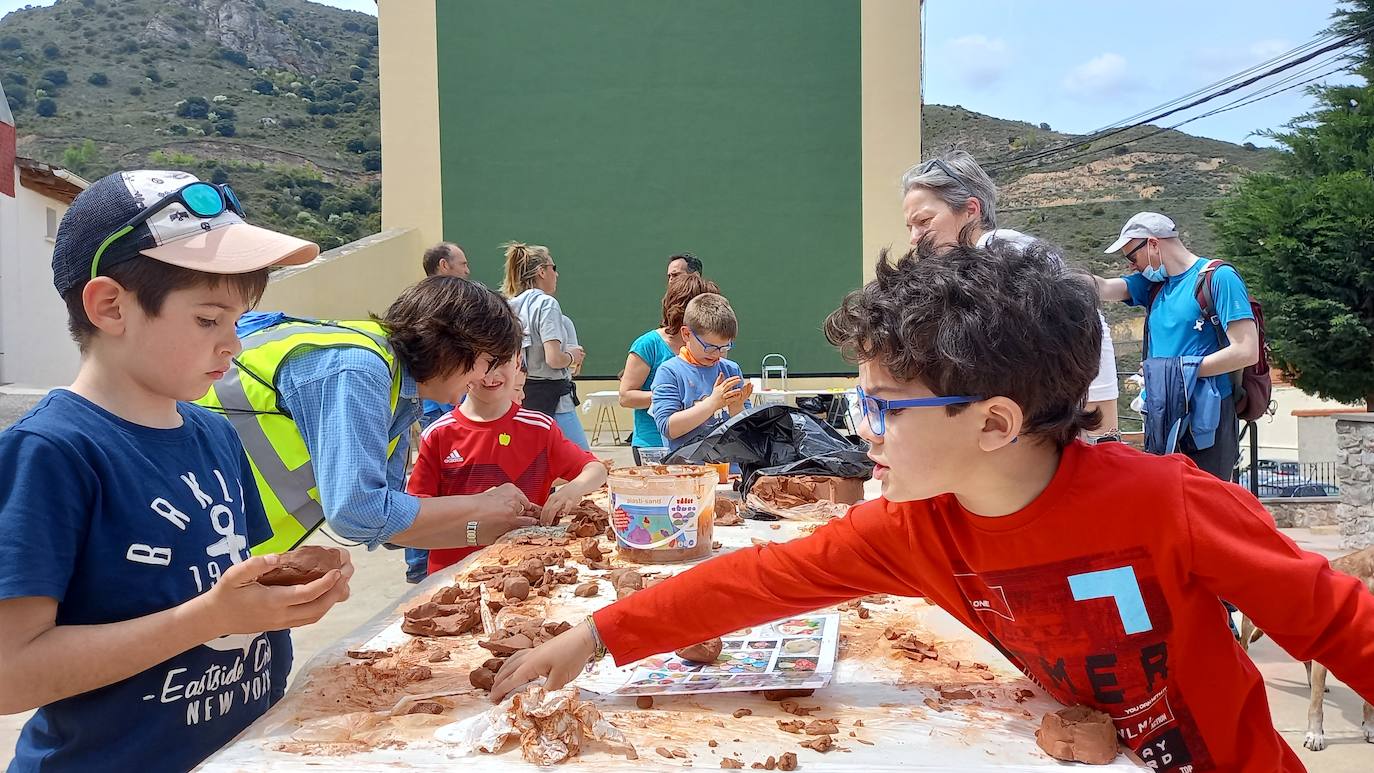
(723, 348)
(201, 199)
(875, 408)
(1130, 256)
(553, 267)
(943, 167)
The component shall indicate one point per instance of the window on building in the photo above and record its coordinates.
(52, 223)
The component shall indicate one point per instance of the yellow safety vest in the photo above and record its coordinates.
(248, 397)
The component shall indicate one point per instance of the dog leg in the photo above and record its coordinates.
(1368, 724)
(1316, 735)
(1247, 630)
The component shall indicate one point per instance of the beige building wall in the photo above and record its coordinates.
(891, 114)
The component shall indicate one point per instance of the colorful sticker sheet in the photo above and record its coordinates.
(793, 653)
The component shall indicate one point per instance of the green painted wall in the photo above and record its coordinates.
(617, 132)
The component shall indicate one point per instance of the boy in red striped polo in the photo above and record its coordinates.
(490, 440)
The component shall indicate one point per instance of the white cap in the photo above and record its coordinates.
(1144, 225)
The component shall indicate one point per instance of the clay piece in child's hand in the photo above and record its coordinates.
(705, 652)
(1078, 734)
(302, 565)
(481, 678)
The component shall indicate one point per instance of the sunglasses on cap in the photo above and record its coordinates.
(201, 199)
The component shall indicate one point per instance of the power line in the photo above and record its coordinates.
(1306, 57)
(1242, 102)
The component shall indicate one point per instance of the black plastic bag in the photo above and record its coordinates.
(778, 440)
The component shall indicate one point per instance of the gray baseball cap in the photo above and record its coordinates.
(1144, 225)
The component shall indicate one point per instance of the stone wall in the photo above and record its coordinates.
(1302, 512)
(1354, 462)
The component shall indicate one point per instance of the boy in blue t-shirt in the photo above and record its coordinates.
(130, 614)
(699, 389)
(1178, 328)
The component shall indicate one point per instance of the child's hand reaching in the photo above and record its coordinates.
(558, 660)
(559, 502)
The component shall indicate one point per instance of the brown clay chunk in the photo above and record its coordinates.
(304, 564)
(662, 752)
(532, 568)
(788, 761)
(438, 656)
(794, 726)
(771, 763)
(493, 664)
(624, 591)
(426, 707)
(956, 695)
(712, 743)
(416, 674)
(627, 578)
(705, 652)
(516, 588)
(587, 590)
(863, 613)
(591, 549)
(507, 646)
(822, 727)
(777, 695)
(730, 763)
(368, 654)
(796, 709)
(1022, 695)
(822, 744)
(934, 704)
(644, 702)
(742, 713)
(481, 678)
(1078, 734)
(680, 753)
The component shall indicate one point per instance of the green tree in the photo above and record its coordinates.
(98, 79)
(82, 158)
(45, 108)
(193, 107)
(1303, 236)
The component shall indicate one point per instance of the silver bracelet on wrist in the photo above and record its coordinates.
(472, 532)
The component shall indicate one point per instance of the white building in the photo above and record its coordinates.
(35, 348)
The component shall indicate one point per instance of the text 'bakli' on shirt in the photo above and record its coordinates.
(460, 455)
(117, 521)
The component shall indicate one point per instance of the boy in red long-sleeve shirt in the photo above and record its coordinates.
(1095, 569)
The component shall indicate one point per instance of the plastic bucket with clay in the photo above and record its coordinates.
(663, 514)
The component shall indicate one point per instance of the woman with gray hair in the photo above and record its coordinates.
(950, 198)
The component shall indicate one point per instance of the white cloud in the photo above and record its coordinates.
(1100, 76)
(1216, 62)
(976, 60)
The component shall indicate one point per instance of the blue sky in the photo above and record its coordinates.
(1082, 64)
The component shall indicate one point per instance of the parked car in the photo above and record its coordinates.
(1277, 487)
(1279, 468)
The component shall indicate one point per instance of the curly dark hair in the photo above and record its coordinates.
(441, 325)
(997, 320)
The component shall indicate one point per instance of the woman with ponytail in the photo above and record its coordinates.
(530, 283)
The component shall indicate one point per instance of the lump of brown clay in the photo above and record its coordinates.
(821, 743)
(794, 726)
(533, 569)
(591, 549)
(705, 652)
(507, 646)
(956, 695)
(788, 761)
(426, 707)
(644, 702)
(1078, 734)
(481, 678)
(822, 727)
(742, 713)
(777, 695)
(494, 664)
(438, 656)
(794, 708)
(587, 590)
(627, 578)
(517, 588)
(304, 564)
(730, 763)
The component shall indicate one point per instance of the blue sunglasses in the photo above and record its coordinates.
(875, 408)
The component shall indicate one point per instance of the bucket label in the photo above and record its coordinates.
(655, 522)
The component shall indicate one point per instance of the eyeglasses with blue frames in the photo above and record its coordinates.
(710, 348)
(201, 199)
(875, 408)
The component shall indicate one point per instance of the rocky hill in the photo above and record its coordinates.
(279, 99)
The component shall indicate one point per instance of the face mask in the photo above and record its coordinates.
(1154, 273)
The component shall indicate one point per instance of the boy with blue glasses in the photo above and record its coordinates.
(699, 389)
(1095, 569)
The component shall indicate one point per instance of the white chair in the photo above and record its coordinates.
(774, 366)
